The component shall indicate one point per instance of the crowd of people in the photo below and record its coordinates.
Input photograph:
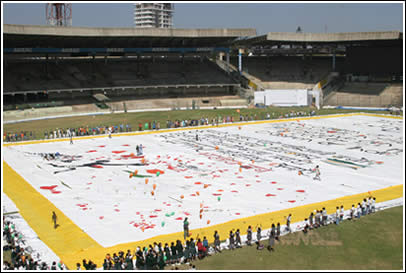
(152, 125)
(158, 256)
(21, 259)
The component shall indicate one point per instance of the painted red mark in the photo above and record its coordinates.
(219, 190)
(331, 132)
(102, 146)
(93, 176)
(84, 209)
(232, 184)
(216, 194)
(292, 201)
(269, 194)
(118, 152)
(258, 181)
(201, 163)
(300, 191)
(214, 176)
(91, 151)
(157, 210)
(240, 177)
(237, 213)
(186, 213)
(153, 216)
(126, 145)
(247, 185)
(198, 183)
(117, 210)
(97, 166)
(273, 182)
(101, 217)
(188, 177)
(138, 213)
(179, 218)
(193, 194)
(279, 189)
(56, 192)
(48, 187)
(235, 191)
(154, 171)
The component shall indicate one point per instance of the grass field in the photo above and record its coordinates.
(374, 242)
(40, 126)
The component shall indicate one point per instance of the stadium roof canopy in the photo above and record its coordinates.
(347, 38)
(29, 36)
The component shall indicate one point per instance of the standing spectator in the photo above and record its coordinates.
(324, 213)
(174, 255)
(231, 240)
(306, 226)
(179, 250)
(249, 235)
(205, 243)
(311, 220)
(369, 204)
(185, 228)
(359, 211)
(193, 248)
(352, 212)
(373, 204)
(278, 231)
(337, 216)
(216, 241)
(288, 219)
(271, 238)
(259, 234)
(237, 239)
(342, 213)
(363, 207)
(139, 262)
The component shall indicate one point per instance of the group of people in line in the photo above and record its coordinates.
(157, 256)
(21, 259)
(151, 125)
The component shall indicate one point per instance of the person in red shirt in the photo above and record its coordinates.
(202, 251)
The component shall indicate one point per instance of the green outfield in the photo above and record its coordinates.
(375, 242)
(133, 119)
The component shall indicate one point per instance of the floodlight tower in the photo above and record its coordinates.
(59, 14)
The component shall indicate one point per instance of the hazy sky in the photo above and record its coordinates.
(264, 17)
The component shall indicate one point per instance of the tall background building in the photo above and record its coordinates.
(156, 15)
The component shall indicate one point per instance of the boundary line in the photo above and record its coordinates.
(72, 244)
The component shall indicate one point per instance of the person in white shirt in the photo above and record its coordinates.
(337, 215)
(373, 204)
(359, 211)
(364, 207)
(352, 213)
(324, 213)
(369, 205)
(342, 213)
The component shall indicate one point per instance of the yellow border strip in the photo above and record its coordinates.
(72, 244)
